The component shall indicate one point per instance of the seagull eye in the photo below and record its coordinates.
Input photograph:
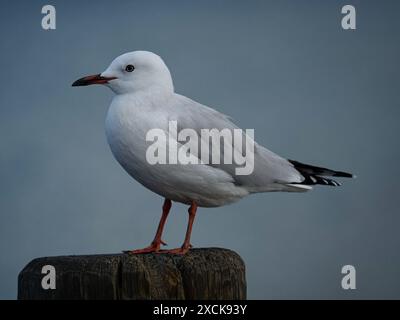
(129, 68)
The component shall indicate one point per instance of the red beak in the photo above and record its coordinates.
(95, 79)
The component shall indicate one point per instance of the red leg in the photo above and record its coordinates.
(186, 244)
(156, 243)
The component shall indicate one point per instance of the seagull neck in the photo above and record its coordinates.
(150, 93)
(146, 95)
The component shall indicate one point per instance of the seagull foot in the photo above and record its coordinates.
(154, 247)
(181, 251)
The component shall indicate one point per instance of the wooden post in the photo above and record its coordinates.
(210, 273)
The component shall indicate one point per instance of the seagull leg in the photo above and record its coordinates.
(156, 243)
(186, 244)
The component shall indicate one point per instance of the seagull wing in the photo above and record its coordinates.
(271, 172)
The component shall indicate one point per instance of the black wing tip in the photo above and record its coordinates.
(319, 171)
(343, 174)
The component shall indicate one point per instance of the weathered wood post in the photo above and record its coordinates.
(210, 273)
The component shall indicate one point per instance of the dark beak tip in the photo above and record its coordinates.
(79, 83)
(95, 79)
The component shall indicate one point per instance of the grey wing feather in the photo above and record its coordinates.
(271, 172)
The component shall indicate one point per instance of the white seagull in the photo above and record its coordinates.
(144, 100)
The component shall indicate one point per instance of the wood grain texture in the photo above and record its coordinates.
(210, 273)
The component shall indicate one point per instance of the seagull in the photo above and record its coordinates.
(145, 99)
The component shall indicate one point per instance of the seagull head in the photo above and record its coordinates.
(133, 72)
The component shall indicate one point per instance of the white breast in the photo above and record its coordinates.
(127, 122)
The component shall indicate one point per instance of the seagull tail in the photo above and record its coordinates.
(316, 175)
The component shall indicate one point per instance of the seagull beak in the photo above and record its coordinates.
(95, 79)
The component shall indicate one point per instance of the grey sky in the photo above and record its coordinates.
(312, 91)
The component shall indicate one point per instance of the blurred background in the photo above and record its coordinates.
(311, 90)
